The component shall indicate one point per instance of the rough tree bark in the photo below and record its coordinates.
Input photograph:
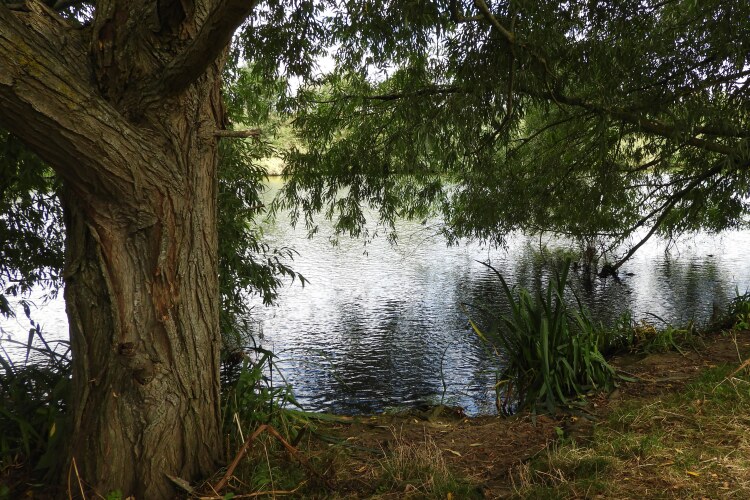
(126, 112)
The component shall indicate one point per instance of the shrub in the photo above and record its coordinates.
(34, 394)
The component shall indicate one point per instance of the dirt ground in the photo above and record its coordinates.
(486, 448)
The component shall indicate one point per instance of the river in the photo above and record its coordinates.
(381, 325)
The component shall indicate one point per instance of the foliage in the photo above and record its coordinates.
(588, 118)
(250, 396)
(550, 353)
(30, 223)
(576, 117)
(34, 402)
(247, 265)
(585, 118)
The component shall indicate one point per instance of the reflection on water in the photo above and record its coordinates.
(382, 325)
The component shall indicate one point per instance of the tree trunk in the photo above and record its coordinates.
(142, 301)
(126, 111)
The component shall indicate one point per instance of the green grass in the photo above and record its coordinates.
(691, 444)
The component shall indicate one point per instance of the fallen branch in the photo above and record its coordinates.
(271, 493)
(246, 446)
(243, 451)
(745, 364)
(295, 453)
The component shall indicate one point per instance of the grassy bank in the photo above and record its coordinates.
(678, 430)
(686, 443)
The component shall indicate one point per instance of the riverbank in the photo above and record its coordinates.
(677, 430)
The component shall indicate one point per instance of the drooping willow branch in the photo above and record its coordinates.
(665, 210)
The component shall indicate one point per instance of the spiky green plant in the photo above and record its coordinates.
(551, 353)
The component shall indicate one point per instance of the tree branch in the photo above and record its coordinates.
(485, 10)
(214, 36)
(646, 124)
(458, 17)
(47, 101)
(423, 92)
(239, 134)
(665, 210)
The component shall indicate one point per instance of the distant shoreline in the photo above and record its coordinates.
(274, 166)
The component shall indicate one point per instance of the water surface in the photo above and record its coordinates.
(380, 325)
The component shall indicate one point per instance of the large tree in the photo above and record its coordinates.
(127, 111)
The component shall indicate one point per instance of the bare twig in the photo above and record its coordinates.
(78, 477)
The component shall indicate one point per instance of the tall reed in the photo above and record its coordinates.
(34, 402)
(550, 352)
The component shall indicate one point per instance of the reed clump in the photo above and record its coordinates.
(34, 402)
(550, 352)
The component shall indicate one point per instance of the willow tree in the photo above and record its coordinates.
(112, 115)
(581, 117)
(611, 120)
(126, 109)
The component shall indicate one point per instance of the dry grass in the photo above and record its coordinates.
(418, 470)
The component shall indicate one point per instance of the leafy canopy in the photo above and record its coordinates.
(587, 118)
